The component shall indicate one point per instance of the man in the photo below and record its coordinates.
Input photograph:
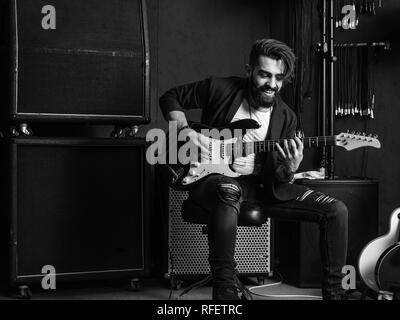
(264, 177)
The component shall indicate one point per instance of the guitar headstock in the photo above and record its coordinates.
(351, 141)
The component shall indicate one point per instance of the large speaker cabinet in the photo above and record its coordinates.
(188, 246)
(82, 61)
(79, 205)
(297, 244)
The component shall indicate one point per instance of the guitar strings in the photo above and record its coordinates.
(241, 148)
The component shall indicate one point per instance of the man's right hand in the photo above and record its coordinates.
(200, 141)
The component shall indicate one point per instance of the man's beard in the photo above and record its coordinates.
(258, 97)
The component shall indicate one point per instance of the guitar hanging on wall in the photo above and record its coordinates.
(221, 153)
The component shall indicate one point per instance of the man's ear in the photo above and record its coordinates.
(248, 69)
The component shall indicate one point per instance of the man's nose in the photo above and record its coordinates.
(272, 82)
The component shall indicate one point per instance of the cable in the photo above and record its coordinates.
(280, 281)
(281, 295)
(172, 273)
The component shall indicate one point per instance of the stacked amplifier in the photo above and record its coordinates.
(76, 204)
(79, 60)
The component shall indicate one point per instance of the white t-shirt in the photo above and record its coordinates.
(251, 164)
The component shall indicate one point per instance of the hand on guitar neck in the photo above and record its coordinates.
(291, 153)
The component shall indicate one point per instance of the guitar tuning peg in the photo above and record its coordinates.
(375, 136)
(352, 132)
(364, 134)
(370, 135)
(348, 131)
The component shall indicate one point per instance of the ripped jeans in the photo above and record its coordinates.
(221, 197)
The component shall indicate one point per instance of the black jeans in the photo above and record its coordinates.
(221, 197)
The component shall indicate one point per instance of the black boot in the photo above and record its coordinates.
(230, 288)
(223, 291)
(224, 286)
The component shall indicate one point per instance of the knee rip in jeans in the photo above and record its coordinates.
(320, 198)
(229, 192)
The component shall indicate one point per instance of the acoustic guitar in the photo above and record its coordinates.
(379, 262)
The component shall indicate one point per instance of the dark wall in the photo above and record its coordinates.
(199, 38)
(366, 162)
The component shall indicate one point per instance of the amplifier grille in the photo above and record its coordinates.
(189, 247)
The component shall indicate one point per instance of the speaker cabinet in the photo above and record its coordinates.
(188, 245)
(297, 244)
(83, 61)
(78, 205)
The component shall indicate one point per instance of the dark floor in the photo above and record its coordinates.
(154, 289)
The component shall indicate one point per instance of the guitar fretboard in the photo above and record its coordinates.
(247, 148)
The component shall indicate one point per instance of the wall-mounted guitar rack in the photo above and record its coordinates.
(326, 48)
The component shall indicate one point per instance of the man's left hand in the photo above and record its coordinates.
(292, 153)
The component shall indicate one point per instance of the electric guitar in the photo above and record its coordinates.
(221, 153)
(379, 262)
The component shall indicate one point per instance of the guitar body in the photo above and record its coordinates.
(376, 259)
(387, 271)
(185, 176)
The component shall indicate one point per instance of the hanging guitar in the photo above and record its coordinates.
(379, 262)
(221, 153)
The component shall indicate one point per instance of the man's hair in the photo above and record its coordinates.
(276, 50)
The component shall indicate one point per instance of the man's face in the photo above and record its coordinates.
(266, 80)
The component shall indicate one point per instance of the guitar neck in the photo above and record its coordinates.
(270, 145)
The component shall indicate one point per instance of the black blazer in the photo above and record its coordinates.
(219, 99)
